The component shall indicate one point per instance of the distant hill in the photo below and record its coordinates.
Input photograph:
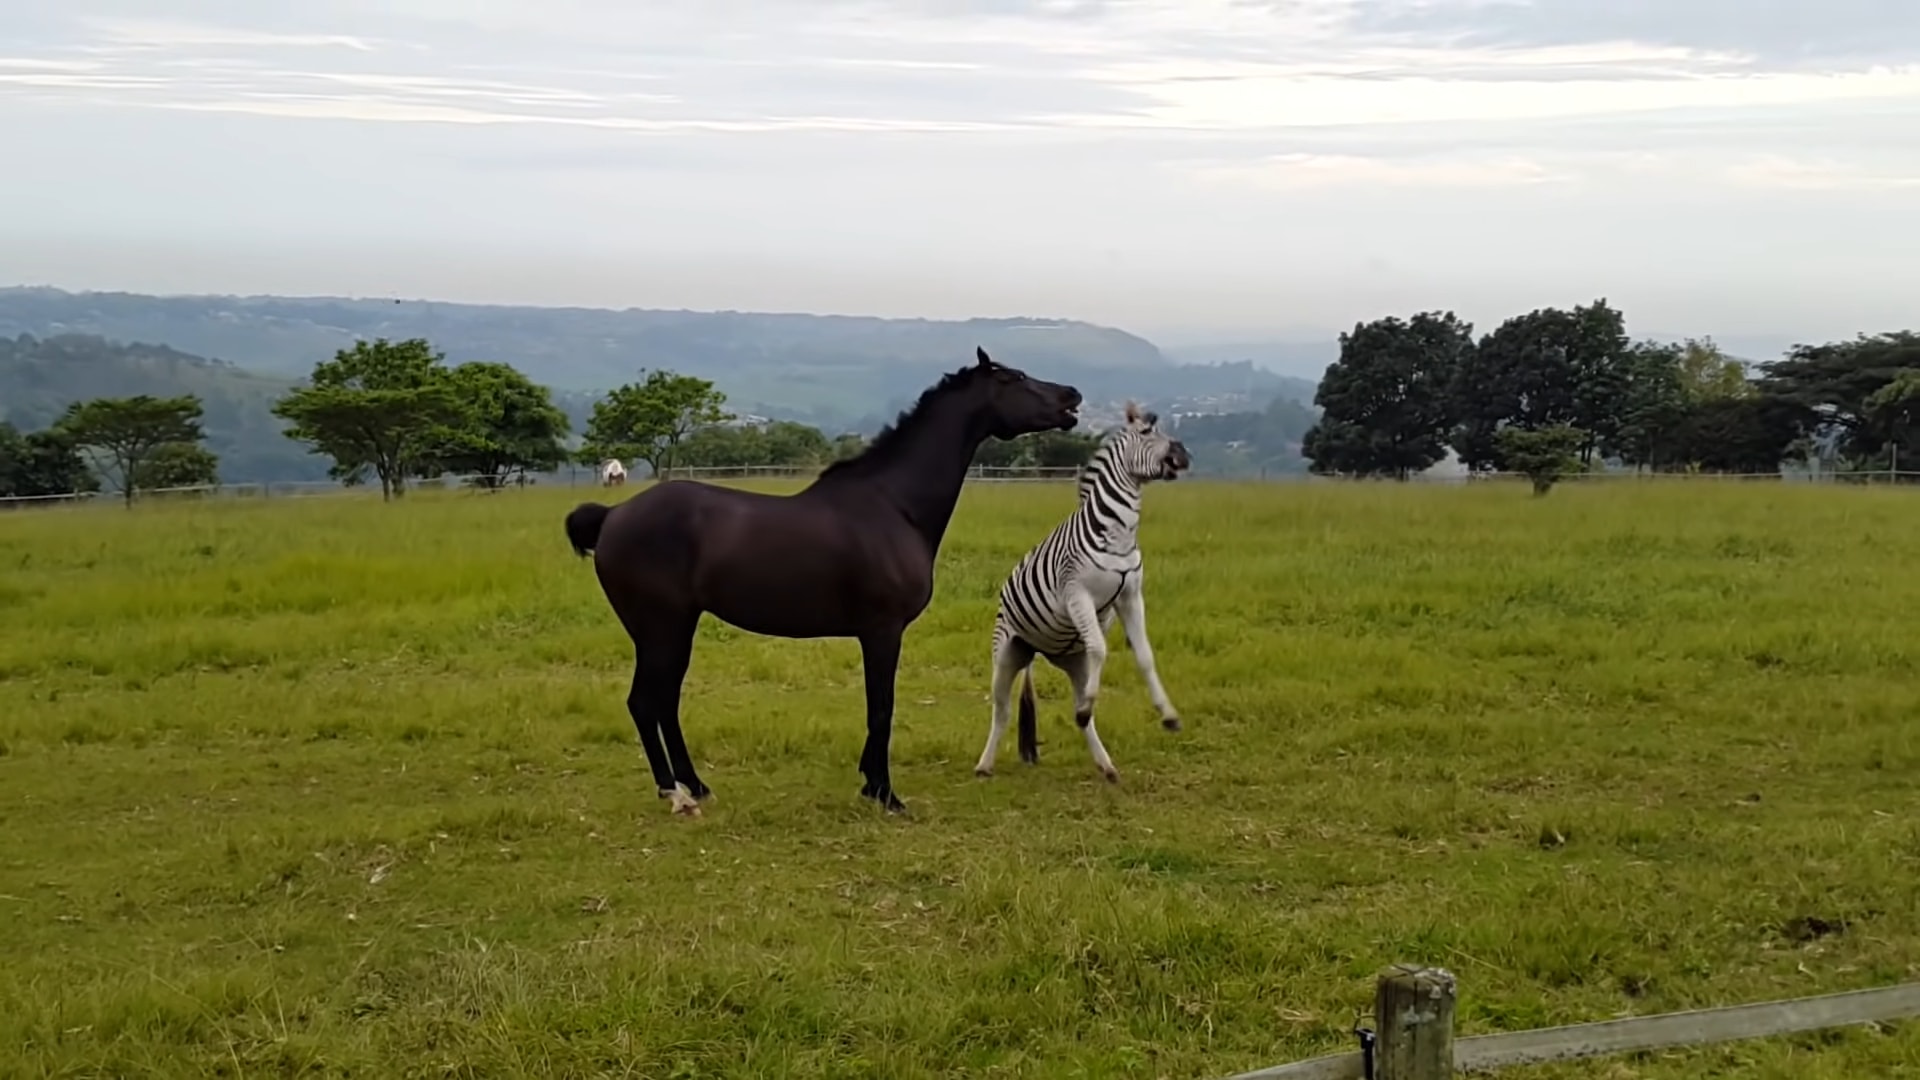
(837, 372)
(1302, 361)
(840, 373)
(40, 377)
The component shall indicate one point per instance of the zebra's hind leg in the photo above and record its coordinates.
(1010, 656)
(1132, 603)
(1082, 670)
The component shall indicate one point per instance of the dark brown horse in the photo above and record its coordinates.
(850, 556)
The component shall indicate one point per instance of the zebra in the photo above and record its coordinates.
(1061, 597)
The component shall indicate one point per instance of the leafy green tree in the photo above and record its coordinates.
(999, 453)
(789, 442)
(42, 463)
(650, 419)
(1708, 374)
(1653, 407)
(377, 406)
(1546, 368)
(1385, 403)
(780, 443)
(1737, 434)
(178, 465)
(848, 444)
(506, 426)
(1544, 455)
(125, 433)
(1894, 410)
(1829, 386)
(1062, 449)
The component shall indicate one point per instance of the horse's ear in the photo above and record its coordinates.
(985, 360)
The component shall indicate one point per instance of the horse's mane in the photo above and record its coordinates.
(885, 445)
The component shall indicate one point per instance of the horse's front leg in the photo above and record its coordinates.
(880, 656)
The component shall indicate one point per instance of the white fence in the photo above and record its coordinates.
(575, 477)
(586, 477)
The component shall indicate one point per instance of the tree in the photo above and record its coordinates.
(178, 465)
(125, 433)
(375, 406)
(651, 418)
(42, 463)
(1063, 449)
(506, 426)
(848, 444)
(1653, 406)
(1385, 402)
(1894, 410)
(1829, 388)
(1543, 455)
(1707, 374)
(1545, 368)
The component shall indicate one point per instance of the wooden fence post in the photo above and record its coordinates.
(1413, 1024)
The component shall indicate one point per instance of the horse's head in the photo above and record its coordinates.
(1147, 453)
(1015, 403)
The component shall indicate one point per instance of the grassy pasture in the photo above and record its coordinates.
(327, 787)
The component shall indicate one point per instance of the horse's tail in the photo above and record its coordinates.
(583, 526)
(1029, 727)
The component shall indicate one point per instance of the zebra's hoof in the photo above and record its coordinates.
(1112, 775)
(982, 771)
(1171, 723)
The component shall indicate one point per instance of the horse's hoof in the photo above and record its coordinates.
(1171, 723)
(684, 803)
(887, 799)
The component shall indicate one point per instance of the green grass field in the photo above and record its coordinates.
(327, 787)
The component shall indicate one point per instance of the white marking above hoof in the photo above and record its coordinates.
(684, 803)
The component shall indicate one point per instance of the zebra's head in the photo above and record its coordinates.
(1142, 452)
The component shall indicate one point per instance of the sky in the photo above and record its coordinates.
(1194, 170)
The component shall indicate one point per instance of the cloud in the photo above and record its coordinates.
(1782, 171)
(1101, 156)
(943, 66)
(1792, 33)
(1298, 172)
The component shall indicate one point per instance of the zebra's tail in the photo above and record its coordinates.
(583, 526)
(1029, 727)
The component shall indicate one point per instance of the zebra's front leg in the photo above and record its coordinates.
(1132, 604)
(1008, 659)
(1083, 669)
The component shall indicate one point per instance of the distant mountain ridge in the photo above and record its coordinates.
(836, 371)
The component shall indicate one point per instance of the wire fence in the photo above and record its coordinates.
(1412, 1037)
(586, 477)
(576, 477)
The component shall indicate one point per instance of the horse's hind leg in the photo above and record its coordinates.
(648, 728)
(664, 658)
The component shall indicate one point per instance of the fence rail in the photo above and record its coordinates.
(584, 477)
(1412, 1037)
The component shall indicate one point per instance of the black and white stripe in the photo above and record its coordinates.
(1062, 596)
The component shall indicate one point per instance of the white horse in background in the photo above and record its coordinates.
(612, 473)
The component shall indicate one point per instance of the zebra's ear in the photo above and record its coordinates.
(1151, 417)
(1133, 413)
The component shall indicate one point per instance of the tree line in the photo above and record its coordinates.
(1557, 391)
(392, 411)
